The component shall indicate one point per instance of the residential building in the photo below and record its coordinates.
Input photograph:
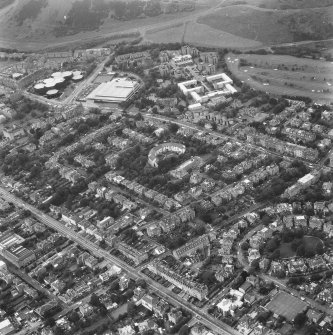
(189, 248)
(135, 255)
(18, 255)
(192, 288)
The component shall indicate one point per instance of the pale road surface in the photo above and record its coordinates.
(9, 43)
(214, 324)
(70, 99)
(197, 128)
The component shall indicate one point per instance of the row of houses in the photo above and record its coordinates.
(140, 190)
(235, 190)
(192, 288)
(302, 183)
(283, 147)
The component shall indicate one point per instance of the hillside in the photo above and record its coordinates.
(35, 24)
(272, 26)
(69, 17)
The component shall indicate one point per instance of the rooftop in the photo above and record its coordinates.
(116, 90)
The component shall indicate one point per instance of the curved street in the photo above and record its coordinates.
(280, 283)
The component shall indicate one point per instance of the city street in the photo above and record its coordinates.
(280, 283)
(214, 324)
(198, 128)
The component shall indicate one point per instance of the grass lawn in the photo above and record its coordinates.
(309, 242)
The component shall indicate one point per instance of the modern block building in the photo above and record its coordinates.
(117, 90)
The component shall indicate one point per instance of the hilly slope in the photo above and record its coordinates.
(272, 26)
(34, 24)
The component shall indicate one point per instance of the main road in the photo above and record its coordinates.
(71, 98)
(141, 28)
(253, 145)
(214, 324)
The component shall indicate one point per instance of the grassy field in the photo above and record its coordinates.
(249, 23)
(42, 23)
(284, 75)
(272, 26)
(283, 4)
(309, 242)
(286, 305)
(201, 34)
(171, 34)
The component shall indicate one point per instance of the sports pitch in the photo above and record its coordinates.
(286, 305)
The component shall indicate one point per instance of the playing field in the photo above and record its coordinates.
(284, 75)
(286, 305)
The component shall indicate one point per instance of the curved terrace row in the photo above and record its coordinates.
(154, 152)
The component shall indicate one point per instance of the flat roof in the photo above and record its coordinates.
(6, 327)
(306, 178)
(117, 89)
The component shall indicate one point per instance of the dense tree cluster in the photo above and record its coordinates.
(24, 106)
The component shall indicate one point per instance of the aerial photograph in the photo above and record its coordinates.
(166, 167)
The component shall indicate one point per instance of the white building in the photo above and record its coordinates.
(117, 90)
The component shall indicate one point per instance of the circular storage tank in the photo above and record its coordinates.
(77, 78)
(56, 75)
(59, 82)
(39, 88)
(52, 93)
(48, 80)
(67, 74)
(50, 85)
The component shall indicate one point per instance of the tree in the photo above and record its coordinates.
(58, 331)
(300, 320)
(311, 330)
(82, 128)
(272, 245)
(141, 282)
(184, 330)
(214, 126)
(94, 300)
(131, 309)
(319, 248)
(276, 254)
(245, 246)
(263, 317)
(207, 277)
(300, 251)
(173, 128)
(73, 317)
(49, 322)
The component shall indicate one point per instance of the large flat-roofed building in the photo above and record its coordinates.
(117, 90)
(18, 255)
(9, 239)
(6, 327)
